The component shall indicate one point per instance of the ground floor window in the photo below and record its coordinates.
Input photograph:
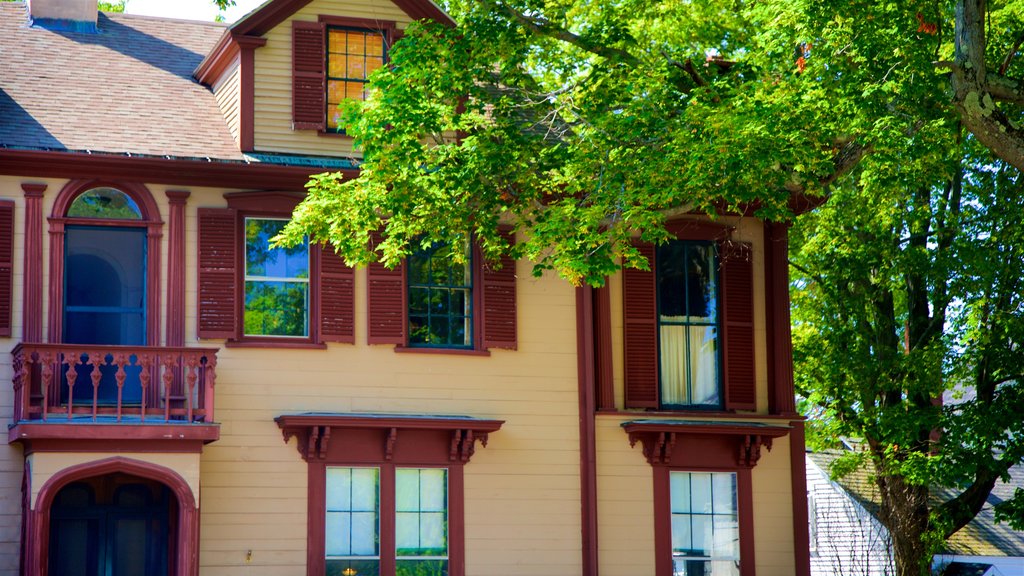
(353, 512)
(705, 524)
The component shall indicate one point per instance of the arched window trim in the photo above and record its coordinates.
(59, 220)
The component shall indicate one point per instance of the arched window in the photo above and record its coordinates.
(108, 203)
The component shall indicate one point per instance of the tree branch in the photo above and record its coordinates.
(1009, 55)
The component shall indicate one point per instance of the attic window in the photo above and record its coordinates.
(106, 203)
(352, 54)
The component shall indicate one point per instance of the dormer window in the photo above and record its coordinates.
(331, 61)
(352, 54)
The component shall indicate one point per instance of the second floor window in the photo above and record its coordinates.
(688, 324)
(440, 298)
(352, 54)
(276, 282)
(705, 523)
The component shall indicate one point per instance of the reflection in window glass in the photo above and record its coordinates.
(421, 521)
(105, 203)
(351, 531)
(276, 282)
(688, 324)
(352, 55)
(440, 299)
(705, 525)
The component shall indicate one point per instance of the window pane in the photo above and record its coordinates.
(263, 261)
(433, 489)
(673, 365)
(421, 568)
(703, 365)
(352, 567)
(336, 40)
(440, 298)
(724, 488)
(356, 68)
(671, 280)
(105, 203)
(335, 93)
(680, 491)
(681, 540)
(700, 273)
(407, 533)
(433, 538)
(373, 63)
(352, 518)
(337, 66)
(700, 486)
(374, 45)
(356, 42)
(421, 521)
(407, 490)
(276, 308)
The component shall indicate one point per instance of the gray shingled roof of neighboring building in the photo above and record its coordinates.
(127, 89)
(981, 537)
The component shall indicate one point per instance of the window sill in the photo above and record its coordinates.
(696, 414)
(306, 345)
(448, 351)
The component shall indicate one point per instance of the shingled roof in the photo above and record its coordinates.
(125, 90)
(981, 537)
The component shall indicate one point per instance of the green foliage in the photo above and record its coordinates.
(585, 123)
(117, 6)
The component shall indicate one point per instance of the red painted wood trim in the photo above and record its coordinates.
(247, 91)
(585, 355)
(124, 444)
(176, 268)
(146, 437)
(736, 325)
(158, 170)
(387, 520)
(217, 60)
(386, 26)
(781, 394)
(316, 518)
(251, 342)
(702, 415)
(745, 509)
(273, 13)
(640, 333)
(605, 374)
(279, 202)
(7, 212)
(798, 477)
(456, 521)
(150, 218)
(32, 286)
(187, 554)
(444, 351)
(662, 522)
(374, 421)
(688, 229)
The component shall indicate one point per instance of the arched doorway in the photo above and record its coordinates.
(155, 492)
(112, 525)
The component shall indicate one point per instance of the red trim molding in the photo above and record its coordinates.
(586, 364)
(385, 441)
(273, 13)
(174, 171)
(176, 267)
(781, 395)
(38, 519)
(798, 476)
(247, 91)
(32, 286)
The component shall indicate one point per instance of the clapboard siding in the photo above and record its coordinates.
(226, 91)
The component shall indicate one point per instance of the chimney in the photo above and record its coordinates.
(64, 15)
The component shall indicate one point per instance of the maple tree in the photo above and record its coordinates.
(584, 123)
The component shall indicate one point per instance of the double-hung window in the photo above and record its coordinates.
(688, 324)
(352, 55)
(276, 282)
(418, 502)
(440, 298)
(705, 525)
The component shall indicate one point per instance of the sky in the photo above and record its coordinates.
(189, 9)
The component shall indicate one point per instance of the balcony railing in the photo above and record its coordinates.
(98, 383)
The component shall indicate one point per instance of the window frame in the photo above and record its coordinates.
(712, 513)
(387, 442)
(719, 340)
(475, 342)
(244, 217)
(387, 28)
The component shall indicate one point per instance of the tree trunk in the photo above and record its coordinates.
(904, 513)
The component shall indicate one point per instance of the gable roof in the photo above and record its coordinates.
(273, 12)
(981, 537)
(127, 89)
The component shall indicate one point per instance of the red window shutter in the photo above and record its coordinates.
(640, 314)
(386, 307)
(218, 267)
(498, 298)
(337, 298)
(6, 265)
(737, 325)
(309, 107)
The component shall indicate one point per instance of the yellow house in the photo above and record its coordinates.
(186, 400)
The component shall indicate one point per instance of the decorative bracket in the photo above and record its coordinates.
(750, 449)
(657, 446)
(463, 444)
(659, 439)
